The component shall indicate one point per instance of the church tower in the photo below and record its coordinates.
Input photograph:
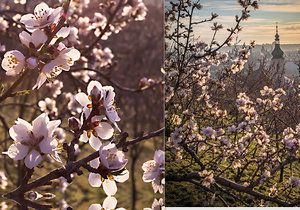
(277, 62)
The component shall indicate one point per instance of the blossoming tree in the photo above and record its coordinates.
(69, 125)
(233, 133)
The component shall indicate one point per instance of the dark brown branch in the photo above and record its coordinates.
(230, 184)
(73, 167)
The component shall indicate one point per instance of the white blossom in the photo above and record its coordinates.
(13, 62)
(157, 205)
(109, 203)
(43, 16)
(3, 180)
(31, 141)
(100, 98)
(48, 106)
(3, 24)
(2, 48)
(111, 160)
(154, 171)
(65, 59)
(104, 57)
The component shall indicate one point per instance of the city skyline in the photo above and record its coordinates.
(259, 27)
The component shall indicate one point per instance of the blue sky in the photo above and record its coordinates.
(260, 26)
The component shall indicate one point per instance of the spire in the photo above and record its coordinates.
(277, 35)
(277, 52)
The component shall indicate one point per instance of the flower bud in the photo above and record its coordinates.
(95, 94)
(32, 62)
(73, 123)
(34, 195)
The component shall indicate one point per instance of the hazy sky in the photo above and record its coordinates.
(260, 26)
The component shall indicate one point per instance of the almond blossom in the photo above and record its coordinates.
(3, 180)
(208, 178)
(136, 9)
(54, 88)
(20, 1)
(3, 206)
(3, 24)
(154, 171)
(65, 59)
(100, 99)
(108, 204)
(73, 106)
(2, 48)
(97, 128)
(104, 56)
(84, 75)
(157, 205)
(43, 16)
(108, 103)
(111, 165)
(13, 62)
(48, 106)
(99, 23)
(32, 141)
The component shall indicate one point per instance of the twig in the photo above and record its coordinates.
(117, 85)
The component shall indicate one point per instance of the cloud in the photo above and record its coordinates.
(280, 2)
(293, 28)
(295, 8)
(260, 26)
(259, 33)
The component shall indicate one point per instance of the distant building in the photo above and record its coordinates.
(277, 62)
(271, 67)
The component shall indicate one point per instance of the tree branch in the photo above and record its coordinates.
(73, 167)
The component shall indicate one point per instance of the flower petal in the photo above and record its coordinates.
(21, 131)
(41, 7)
(95, 163)
(40, 81)
(73, 55)
(33, 159)
(47, 146)
(92, 84)
(17, 151)
(109, 96)
(124, 176)
(83, 99)
(95, 180)
(84, 138)
(110, 187)
(63, 32)
(25, 38)
(95, 207)
(159, 157)
(150, 176)
(39, 126)
(38, 38)
(95, 143)
(29, 20)
(52, 125)
(104, 130)
(110, 203)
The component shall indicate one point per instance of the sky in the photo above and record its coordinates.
(260, 26)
